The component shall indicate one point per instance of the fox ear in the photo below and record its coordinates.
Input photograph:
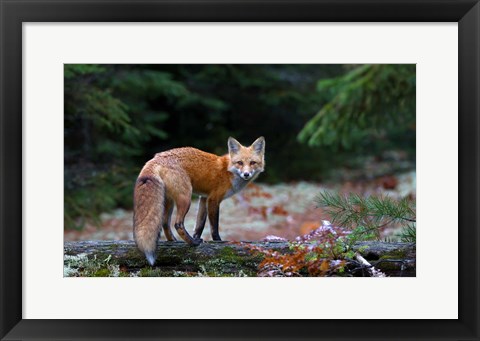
(259, 145)
(233, 146)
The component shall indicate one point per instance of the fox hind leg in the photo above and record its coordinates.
(167, 216)
(201, 218)
(179, 190)
(183, 204)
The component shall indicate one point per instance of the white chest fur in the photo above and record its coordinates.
(237, 185)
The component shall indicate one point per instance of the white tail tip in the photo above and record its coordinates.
(150, 257)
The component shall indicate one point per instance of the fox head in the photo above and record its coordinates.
(246, 162)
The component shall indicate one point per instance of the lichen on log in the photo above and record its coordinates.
(122, 258)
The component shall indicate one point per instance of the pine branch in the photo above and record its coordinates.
(371, 213)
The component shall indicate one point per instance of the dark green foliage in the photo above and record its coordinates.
(368, 103)
(118, 116)
(366, 215)
(104, 131)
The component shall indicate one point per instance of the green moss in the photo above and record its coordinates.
(388, 266)
(395, 254)
(101, 273)
(231, 255)
(228, 252)
(362, 249)
(229, 263)
(134, 258)
(154, 272)
(146, 272)
(124, 274)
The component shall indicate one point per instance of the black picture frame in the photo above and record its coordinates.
(15, 12)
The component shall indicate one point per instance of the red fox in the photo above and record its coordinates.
(172, 176)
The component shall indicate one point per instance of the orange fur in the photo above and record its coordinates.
(172, 176)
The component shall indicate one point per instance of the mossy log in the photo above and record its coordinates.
(101, 258)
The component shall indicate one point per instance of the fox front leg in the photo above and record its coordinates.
(201, 218)
(213, 207)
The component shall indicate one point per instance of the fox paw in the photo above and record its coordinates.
(197, 241)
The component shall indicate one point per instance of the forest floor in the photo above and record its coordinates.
(285, 210)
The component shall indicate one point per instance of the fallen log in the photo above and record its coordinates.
(122, 258)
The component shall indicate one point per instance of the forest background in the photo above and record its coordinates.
(349, 127)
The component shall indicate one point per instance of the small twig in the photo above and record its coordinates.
(409, 219)
(373, 272)
(390, 261)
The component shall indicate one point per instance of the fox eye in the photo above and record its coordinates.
(252, 163)
(240, 163)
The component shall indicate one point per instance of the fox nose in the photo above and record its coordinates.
(246, 174)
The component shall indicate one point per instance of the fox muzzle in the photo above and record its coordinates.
(246, 175)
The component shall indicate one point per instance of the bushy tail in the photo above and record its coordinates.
(148, 207)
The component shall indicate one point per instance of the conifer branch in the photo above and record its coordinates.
(370, 213)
